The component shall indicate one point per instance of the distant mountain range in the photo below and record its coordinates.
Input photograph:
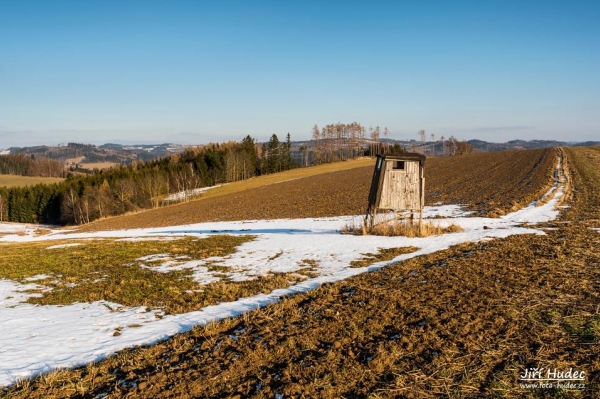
(105, 153)
(485, 146)
(125, 154)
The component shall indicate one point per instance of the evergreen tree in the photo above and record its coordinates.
(288, 161)
(249, 150)
(3, 204)
(274, 155)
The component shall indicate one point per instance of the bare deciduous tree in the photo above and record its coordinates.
(317, 145)
(452, 145)
(443, 148)
(386, 134)
(104, 199)
(153, 186)
(186, 180)
(422, 134)
(84, 208)
(124, 192)
(69, 206)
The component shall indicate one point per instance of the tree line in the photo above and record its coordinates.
(30, 165)
(343, 141)
(82, 198)
(338, 142)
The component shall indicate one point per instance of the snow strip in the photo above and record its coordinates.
(181, 195)
(38, 277)
(74, 244)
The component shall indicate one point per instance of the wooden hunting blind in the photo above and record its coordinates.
(398, 185)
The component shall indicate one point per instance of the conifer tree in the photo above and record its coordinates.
(273, 155)
(288, 160)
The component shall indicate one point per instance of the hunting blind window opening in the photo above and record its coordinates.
(399, 165)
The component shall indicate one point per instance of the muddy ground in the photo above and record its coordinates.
(461, 323)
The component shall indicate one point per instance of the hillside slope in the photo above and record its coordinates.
(492, 184)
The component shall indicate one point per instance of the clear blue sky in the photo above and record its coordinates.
(199, 71)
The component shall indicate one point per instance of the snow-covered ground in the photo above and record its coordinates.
(180, 196)
(25, 229)
(37, 338)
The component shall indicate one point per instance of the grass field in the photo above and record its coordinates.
(463, 322)
(286, 176)
(87, 271)
(98, 165)
(21, 181)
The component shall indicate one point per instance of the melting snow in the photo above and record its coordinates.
(188, 193)
(38, 277)
(64, 245)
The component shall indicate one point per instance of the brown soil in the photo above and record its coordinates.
(489, 184)
(460, 323)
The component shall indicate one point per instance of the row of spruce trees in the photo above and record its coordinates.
(83, 198)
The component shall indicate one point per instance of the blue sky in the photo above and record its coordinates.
(193, 71)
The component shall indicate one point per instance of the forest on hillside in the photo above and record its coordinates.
(83, 198)
(29, 165)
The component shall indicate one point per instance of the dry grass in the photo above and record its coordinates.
(384, 254)
(275, 178)
(389, 227)
(98, 165)
(73, 161)
(111, 270)
(22, 181)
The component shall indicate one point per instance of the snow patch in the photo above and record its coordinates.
(139, 239)
(182, 195)
(64, 245)
(25, 231)
(38, 277)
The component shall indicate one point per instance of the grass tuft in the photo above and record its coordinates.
(393, 227)
(384, 254)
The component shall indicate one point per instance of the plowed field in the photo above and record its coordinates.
(461, 323)
(489, 184)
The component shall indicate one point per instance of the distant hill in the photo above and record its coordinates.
(89, 153)
(125, 154)
(146, 152)
(484, 146)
